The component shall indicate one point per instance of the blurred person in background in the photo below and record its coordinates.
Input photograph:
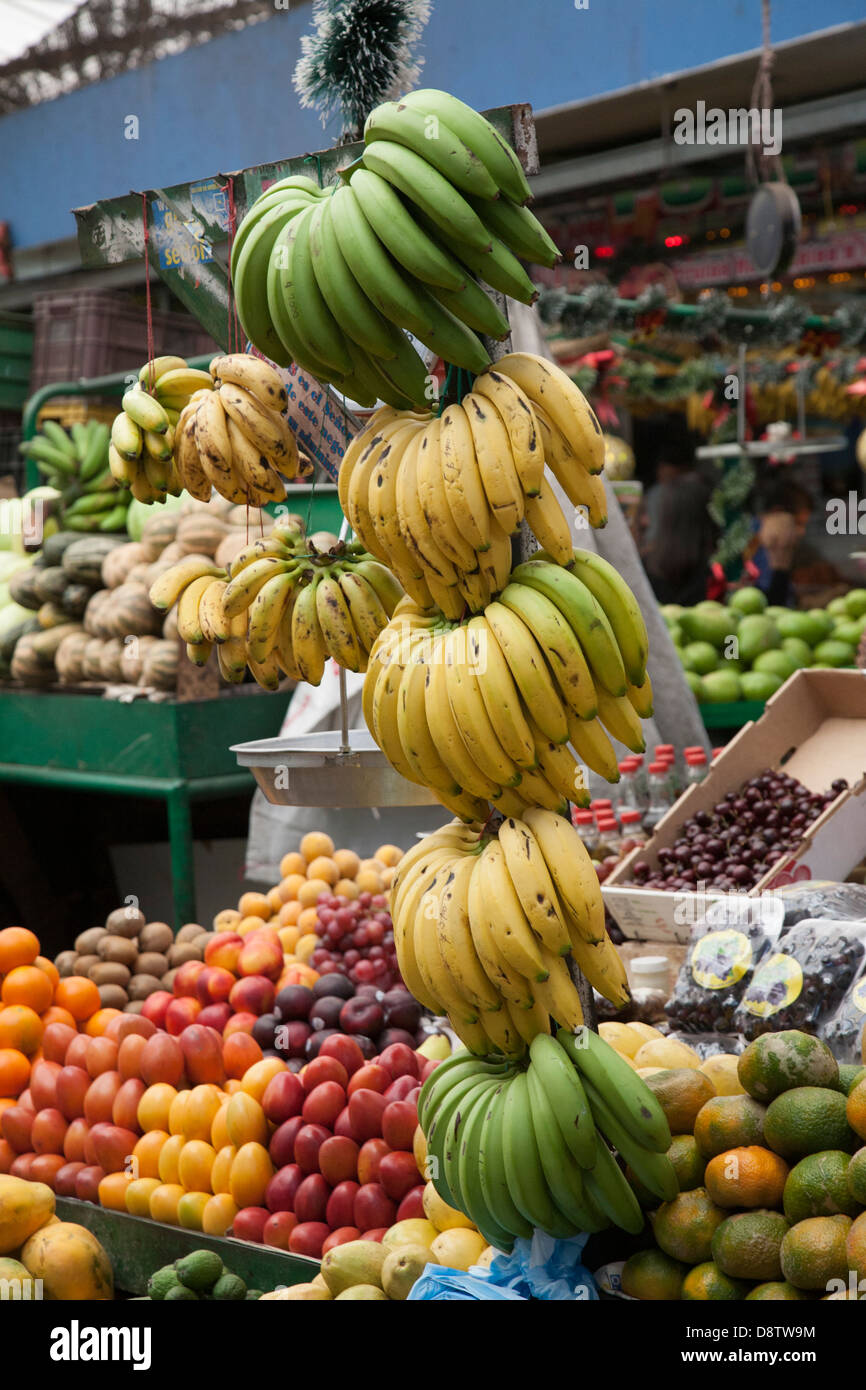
(678, 534)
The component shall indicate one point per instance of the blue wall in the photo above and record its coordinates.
(230, 103)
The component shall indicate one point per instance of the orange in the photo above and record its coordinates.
(293, 863)
(856, 1109)
(312, 890)
(79, 995)
(20, 1027)
(747, 1177)
(14, 1072)
(728, 1122)
(164, 1203)
(218, 1214)
(147, 1151)
(254, 905)
(369, 881)
(389, 855)
(347, 888)
(99, 1021)
(29, 985)
(49, 968)
(112, 1191)
(18, 946)
(323, 868)
(315, 843)
(374, 865)
(57, 1015)
(138, 1195)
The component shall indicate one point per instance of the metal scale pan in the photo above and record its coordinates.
(329, 770)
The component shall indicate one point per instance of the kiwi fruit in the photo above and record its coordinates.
(151, 963)
(167, 981)
(83, 964)
(125, 921)
(87, 942)
(134, 1006)
(200, 942)
(181, 952)
(156, 936)
(110, 973)
(118, 948)
(65, 963)
(140, 986)
(113, 997)
(190, 931)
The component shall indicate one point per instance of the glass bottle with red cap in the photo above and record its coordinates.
(660, 795)
(584, 824)
(696, 766)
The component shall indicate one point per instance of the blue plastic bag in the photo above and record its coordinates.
(542, 1268)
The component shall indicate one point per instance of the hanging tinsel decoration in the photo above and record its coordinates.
(359, 54)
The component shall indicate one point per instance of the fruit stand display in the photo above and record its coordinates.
(391, 1067)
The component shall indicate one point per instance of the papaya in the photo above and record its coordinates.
(24, 1207)
(70, 1262)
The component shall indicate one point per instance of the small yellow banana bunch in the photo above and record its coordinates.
(483, 711)
(140, 453)
(283, 608)
(233, 435)
(438, 497)
(485, 920)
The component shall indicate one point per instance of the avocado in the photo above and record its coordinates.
(199, 1270)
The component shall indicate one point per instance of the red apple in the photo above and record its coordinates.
(311, 1198)
(181, 1012)
(113, 1146)
(64, 1182)
(213, 985)
(308, 1141)
(75, 1140)
(323, 1105)
(249, 1224)
(282, 1145)
(262, 954)
(373, 1207)
(215, 1016)
(370, 1077)
(87, 1183)
(341, 1204)
(155, 1007)
(365, 1114)
(280, 1191)
(399, 1060)
(345, 1050)
(72, 1086)
(224, 950)
(283, 1097)
(412, 1205)
(338, 1159)
(48, 1132)
(341, 1236)
(184, 985)
(399, 1122)
(398, 1172)
(369, 1158)
(308, 1239)
(278, 1228)
(202, 1054)
(252, 994)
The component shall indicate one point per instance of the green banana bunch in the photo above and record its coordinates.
(332, 278)
(77, 464)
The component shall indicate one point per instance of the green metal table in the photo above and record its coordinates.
(174, 751)
(137, 1247)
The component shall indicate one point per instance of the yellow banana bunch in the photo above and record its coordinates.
(486, 921)
(438, 497)
(283, 607)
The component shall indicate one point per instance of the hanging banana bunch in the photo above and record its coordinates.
(140, 453)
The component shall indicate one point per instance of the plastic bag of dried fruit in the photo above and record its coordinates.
(724, 949)
(822, 898)
(801, 982)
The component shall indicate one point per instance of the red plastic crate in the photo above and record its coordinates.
(90, 333)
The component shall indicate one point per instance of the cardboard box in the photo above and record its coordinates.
(815, 728)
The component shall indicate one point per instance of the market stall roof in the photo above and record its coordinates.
(809, 77)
